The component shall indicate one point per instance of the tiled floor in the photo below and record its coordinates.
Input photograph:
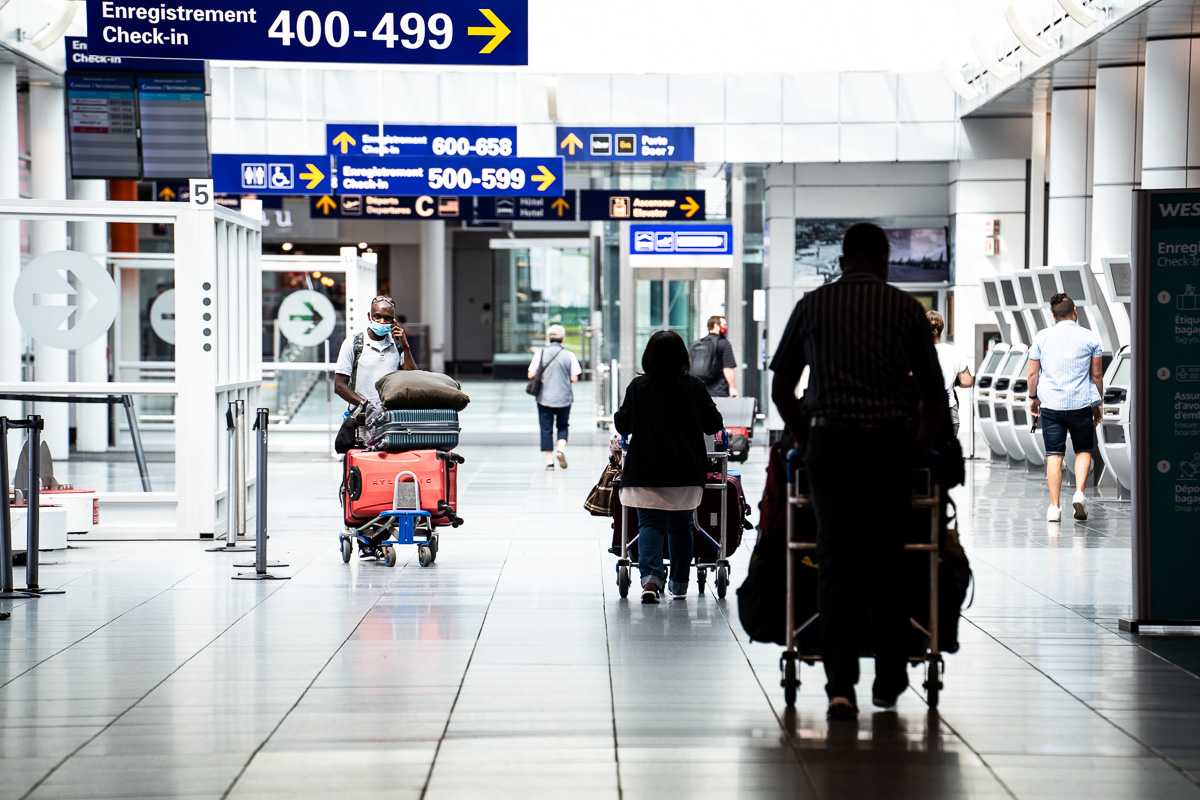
(511, 667)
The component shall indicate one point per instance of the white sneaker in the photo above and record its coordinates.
(1080, 506)
(1053, 514)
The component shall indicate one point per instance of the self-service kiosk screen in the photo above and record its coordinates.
(993, 296)
(1049, 286)
(1121, 376)
(1013, 368)
(993, 363)
(1073, 285)
(1028, 290)
(1010, 293)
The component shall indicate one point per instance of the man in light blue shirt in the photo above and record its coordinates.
(1066, 383)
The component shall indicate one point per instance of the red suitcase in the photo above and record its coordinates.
(369, 479)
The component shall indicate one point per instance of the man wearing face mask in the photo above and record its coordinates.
(364, 359)
(713, 360)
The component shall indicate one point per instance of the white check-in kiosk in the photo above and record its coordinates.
(1044, 285)
(1011, 303)
(983, 398)
(1001, 409)
(1114, 432)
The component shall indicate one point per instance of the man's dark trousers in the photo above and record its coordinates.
(861, 484)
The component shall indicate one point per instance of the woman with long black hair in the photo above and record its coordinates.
(667, 411)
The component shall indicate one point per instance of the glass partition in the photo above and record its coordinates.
(537, 287)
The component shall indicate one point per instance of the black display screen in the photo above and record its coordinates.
(174, 128)
(102, 125)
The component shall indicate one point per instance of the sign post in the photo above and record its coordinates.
(1166, 409)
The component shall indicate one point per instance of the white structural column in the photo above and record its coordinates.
(91, 361)
(47, 145)
(10, 238)
(1171, 118)
(779, 266)
(1037, 180)
(1117, 170)
(1070, 172)
(433, 290)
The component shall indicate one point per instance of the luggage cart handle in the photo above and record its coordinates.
(795, 460)
(416, 491)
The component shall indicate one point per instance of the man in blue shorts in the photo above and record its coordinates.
(1066, 382)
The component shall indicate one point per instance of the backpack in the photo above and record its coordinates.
(706, 364)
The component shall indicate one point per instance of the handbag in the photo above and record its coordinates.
(534, 387)
(599, 502)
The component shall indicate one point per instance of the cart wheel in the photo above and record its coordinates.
(790, 682)
(424, 555)
(433, 549)
(347, 550)
(389, 556)
(701, 574)
(933, 683)
(722, 581)
(623, 580)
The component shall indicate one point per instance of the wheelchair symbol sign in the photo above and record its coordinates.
(283, 176)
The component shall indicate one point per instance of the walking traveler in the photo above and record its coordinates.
(870, 359)
(955, 371)
(713, 360)
(666, 413)
(1066, 383)
(363, 360)
(558, 369)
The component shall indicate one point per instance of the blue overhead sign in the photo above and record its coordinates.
(261, 174)
(626, 144)
(80, 60)
(681, 240)
(495, 141)
(369, 175)
(343, 31)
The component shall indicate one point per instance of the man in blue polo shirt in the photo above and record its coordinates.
(1066, 382)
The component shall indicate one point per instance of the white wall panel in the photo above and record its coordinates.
(1069, 161)
(924, 97)
(872, 201)
(872, 174)
(1164, 179)
(781, 202)
(285, 93)
(1164, 138)
(710, 143)
(810, 143)
(871, 142)
(1118, 90)
(639, 99)
(532, 91)
(696, 99)
(753, 98)
(1193, 106)
(410, 97)
(753, 143)
(989, 197)
(780, 175)
(1068, 230)
(813, 97)
(222, 136)
(289, 137)
(868, 97)
(1010, 137)
(352, 96)
(585, 99)
(508, 100)
(222, 102)
(250, 93)
(249, 136)
(467, 98)
(536, 140)
(926, 141)
(990, 170)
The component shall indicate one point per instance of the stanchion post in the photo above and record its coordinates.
(231, 492)
(240, 422)
(6, 550)
(33, 511)
(260, 517)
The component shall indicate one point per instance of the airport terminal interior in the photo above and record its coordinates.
(210, 215)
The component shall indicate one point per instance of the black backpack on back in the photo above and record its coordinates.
(706, 364)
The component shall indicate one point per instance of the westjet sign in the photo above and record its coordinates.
(1179, 209)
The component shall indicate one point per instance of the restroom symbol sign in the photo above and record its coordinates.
(643, 242)
(254, 176)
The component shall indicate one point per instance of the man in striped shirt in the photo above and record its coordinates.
(874, 401)
(1066, 382)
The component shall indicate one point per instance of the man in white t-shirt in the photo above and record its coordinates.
(384, 349)
(954, 367)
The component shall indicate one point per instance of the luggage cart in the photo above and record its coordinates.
(718, 456)
(399, 526)
(927, 494)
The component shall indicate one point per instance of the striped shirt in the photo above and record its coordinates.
(1065, 352)
(868, 347)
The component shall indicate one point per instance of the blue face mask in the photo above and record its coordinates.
(380, 328)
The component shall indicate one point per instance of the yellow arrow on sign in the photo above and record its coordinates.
(560, 206)
(498, 31)
(345, 140)
(326, 204)
(690, 206)
(544, 176)
(313, 176)
(570, 143)
(166, 195)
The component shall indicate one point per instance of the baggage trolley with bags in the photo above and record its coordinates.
(802, 638)
(713, 542)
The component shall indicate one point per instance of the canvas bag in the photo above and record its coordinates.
(599, 502)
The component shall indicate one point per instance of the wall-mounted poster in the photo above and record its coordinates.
(919, 250)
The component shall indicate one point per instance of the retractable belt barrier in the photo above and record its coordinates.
(34, 424)
(260, 516)
(235, 493)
